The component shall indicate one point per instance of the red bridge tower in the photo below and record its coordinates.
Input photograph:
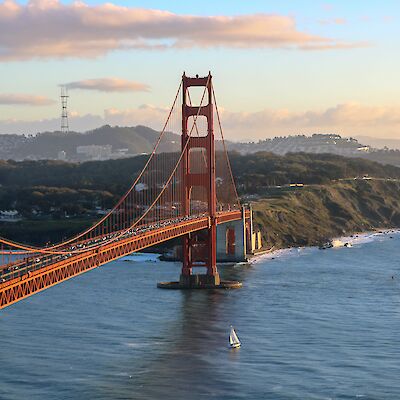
(199, 252)
(199, 248)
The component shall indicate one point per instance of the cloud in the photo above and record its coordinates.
(348, 119)
(147, 115)
(77, 122)
(109, 85)
(25, 100)
(51, 29)
(388, 19)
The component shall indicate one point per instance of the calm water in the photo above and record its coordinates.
(314, 325)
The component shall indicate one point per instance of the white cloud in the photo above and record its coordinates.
(109, 85)
(77, 122)
(147, 115)
(24, 99)
(50, 29)
(349, 119)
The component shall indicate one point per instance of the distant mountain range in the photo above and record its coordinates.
(317, 143)
(380, 143)
(103, 143)
(116, 142)
(323, 143)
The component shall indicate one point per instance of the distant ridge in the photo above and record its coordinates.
(117, 142)
(380, 143)
(320, 144)
(317, 143)
(57, 145)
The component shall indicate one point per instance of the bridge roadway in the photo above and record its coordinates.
(26, 277)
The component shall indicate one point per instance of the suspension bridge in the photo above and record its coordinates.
(185, 193)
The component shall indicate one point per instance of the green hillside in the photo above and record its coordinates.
(314, 214)
(339, 195)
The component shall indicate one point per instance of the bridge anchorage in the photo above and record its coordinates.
(189, 194)
(199, 248)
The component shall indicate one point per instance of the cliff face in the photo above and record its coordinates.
(314, 214)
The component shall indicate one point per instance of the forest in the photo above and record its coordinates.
(77, 188)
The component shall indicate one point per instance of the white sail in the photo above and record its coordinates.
(233, 339)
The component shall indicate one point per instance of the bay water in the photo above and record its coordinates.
(314, 324)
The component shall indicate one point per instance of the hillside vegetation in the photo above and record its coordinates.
(255, 171)
(250, 171)
(314, 214)
(138, 139)
(331, 203)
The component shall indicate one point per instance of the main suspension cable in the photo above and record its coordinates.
(33, 249)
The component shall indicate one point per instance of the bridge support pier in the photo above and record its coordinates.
(199, 250)
(199, 280)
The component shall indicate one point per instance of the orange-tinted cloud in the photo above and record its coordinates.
(109, 85)
(334, 21)
(24, 99)
(77, 122)
(50, 29)
(349, 119)
(146, 114)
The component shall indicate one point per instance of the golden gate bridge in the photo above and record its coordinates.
(177, 194)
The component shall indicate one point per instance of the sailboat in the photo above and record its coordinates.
(234, 341)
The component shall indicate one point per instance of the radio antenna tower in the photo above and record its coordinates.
(64, 112)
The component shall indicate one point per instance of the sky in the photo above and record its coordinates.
(279, 67)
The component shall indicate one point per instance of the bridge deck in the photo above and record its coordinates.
(33, 278)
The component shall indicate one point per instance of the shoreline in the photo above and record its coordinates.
(353, 239)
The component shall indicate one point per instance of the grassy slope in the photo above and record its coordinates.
(316, 213)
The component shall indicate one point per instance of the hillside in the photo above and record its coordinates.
(47, 145)
(380, 143)
(314, 214)
(55, 199)
(116, 142)
(256, 172)
(369, 149)
(252, 172)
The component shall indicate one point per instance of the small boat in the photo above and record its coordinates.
(325, 246)
(348, 244)
(234, 341)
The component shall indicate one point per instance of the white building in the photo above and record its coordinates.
(95, 152)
